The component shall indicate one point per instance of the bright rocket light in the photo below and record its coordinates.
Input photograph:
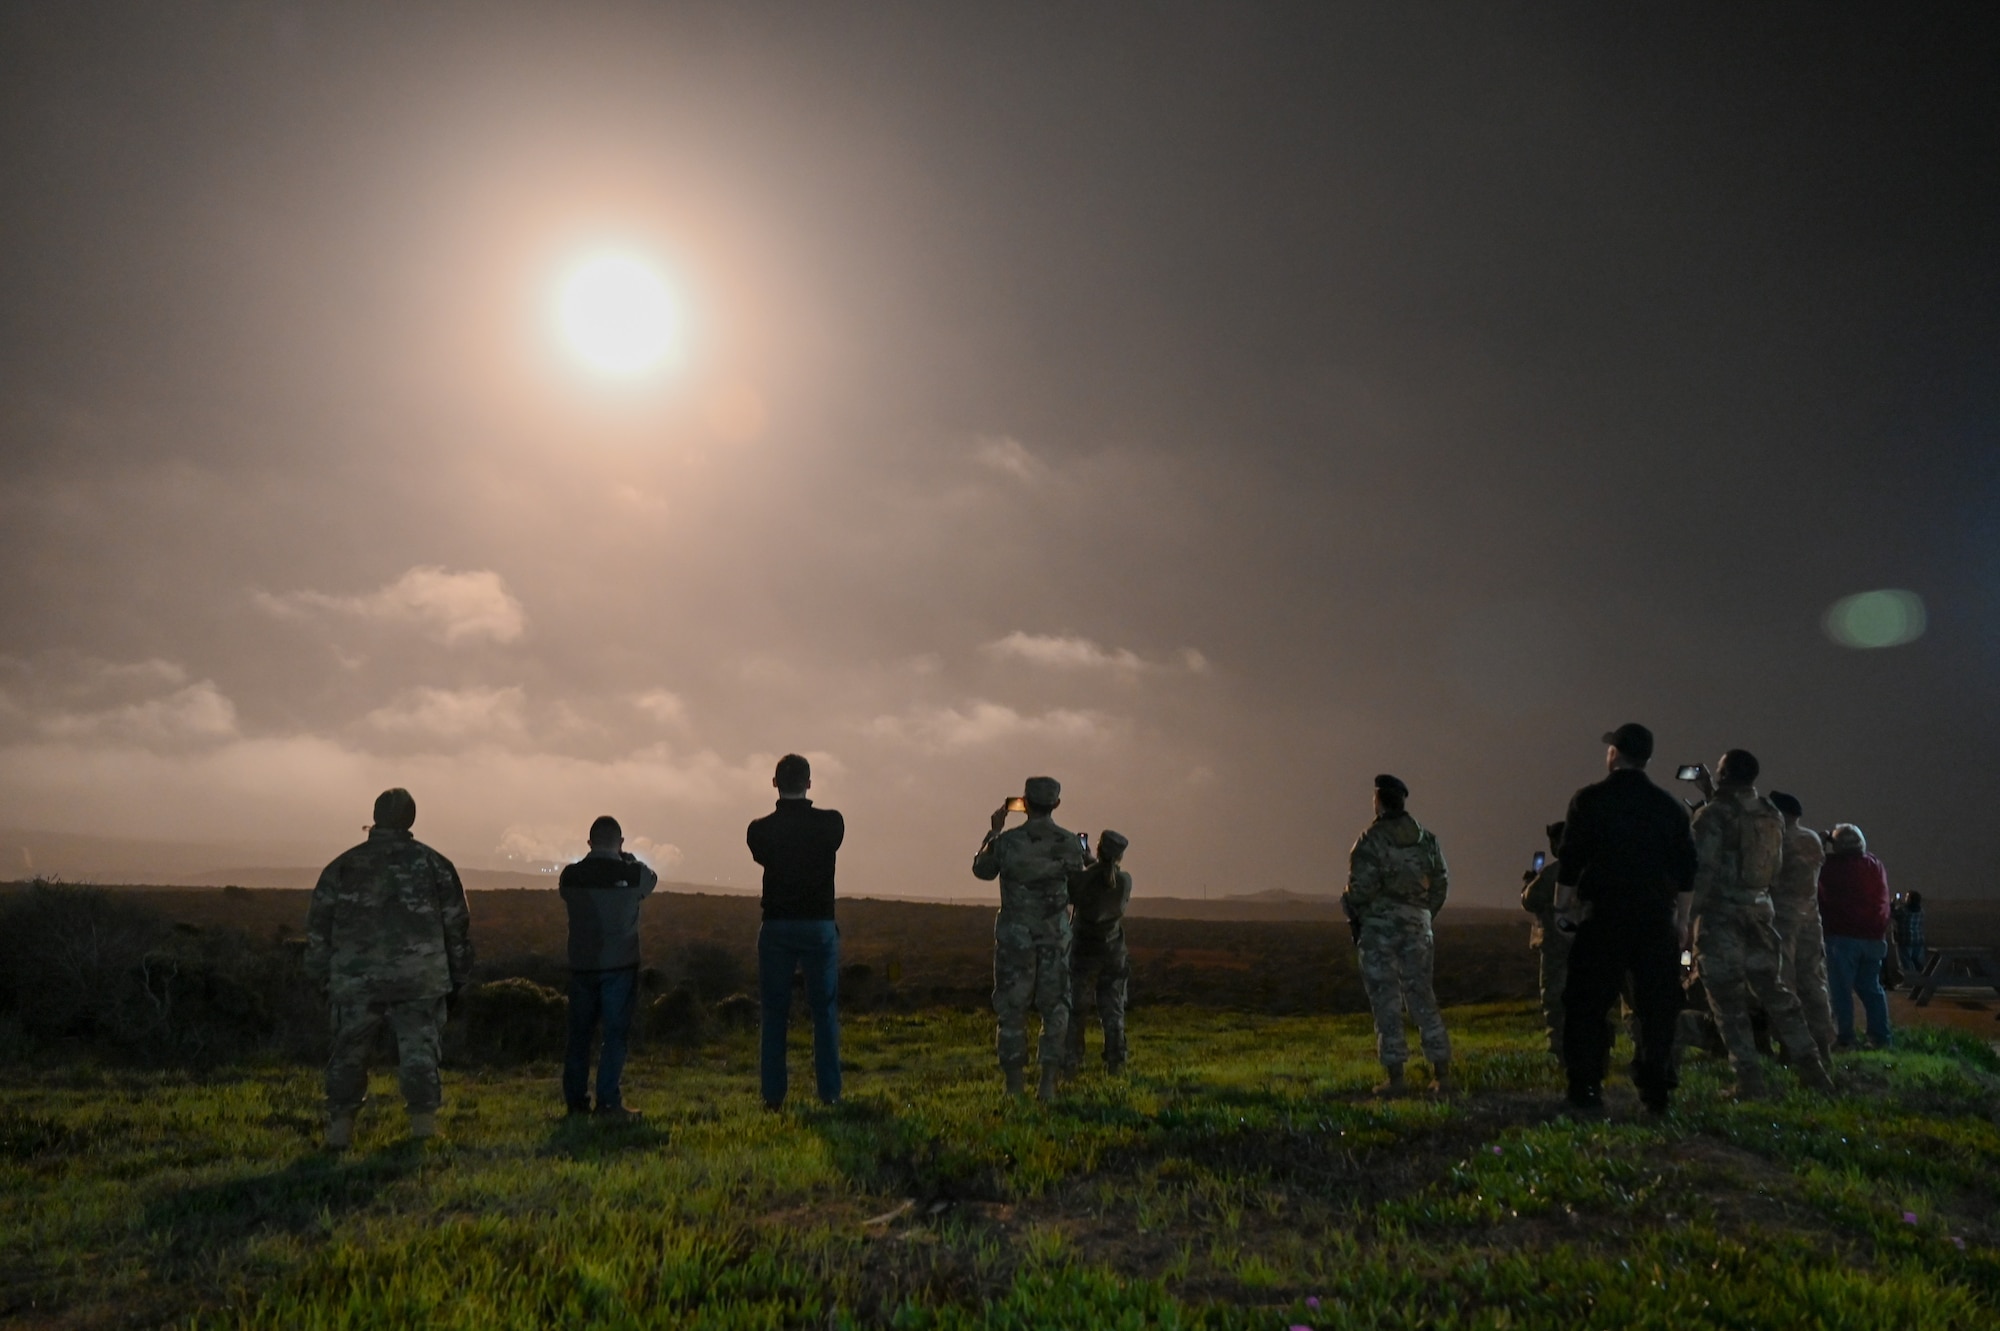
(617, 316)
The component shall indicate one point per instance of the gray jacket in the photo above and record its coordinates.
(603, 891)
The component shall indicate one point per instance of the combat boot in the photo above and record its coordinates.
(1749, 1085)
(1016, 1080)
(1046, 1093)
(339, 1132)
(1441, 1077)
(1394, 1086)
(423, 1124)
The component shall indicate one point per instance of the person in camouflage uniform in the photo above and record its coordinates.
(1031, 936)
(1739, 843)
(1396, 884)
(1099, 895)
(1551, 944)
(389, 939)
(1795, 915)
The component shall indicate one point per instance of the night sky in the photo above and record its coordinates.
(1210, 406)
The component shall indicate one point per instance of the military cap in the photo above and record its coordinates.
(396, 808)
(1788, 804)
(1633, 740)
(1042, 790)
(1390, 785)
(1111, 840)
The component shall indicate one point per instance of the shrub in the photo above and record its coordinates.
(86, 966)
(677, 1016)
(510, 1021)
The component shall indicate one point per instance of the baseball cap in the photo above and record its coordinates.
(1633, 740)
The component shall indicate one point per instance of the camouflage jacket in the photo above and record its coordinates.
(1796, 889)
(389, 922)
(1739, 843)
(1100, 895)
(1395, 863)
(1033, 863)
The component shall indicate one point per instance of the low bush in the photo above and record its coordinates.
(509, 1021)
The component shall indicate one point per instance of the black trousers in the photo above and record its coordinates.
(1609, 945)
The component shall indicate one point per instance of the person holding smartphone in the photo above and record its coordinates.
(1031, 935)
(1098, 897)
(1551, 944)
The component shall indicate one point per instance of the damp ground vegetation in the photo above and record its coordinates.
(1238, 1175)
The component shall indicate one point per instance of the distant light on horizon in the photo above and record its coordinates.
(1865, 620)
(617, 315)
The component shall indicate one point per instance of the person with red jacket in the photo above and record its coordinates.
(1854, 908)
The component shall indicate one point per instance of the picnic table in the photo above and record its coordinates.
(1974, 967)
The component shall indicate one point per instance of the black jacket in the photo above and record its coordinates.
(1626, 844)
(796, 846)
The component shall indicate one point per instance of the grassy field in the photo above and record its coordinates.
(1240, 1175)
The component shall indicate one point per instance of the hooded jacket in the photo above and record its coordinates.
(1395, 863)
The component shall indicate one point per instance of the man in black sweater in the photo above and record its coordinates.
(1627, 856)
(796, 845)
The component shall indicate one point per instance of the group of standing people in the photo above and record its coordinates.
(389, 941)
(1767, 915)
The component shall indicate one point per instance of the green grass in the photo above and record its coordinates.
(1240, 1175)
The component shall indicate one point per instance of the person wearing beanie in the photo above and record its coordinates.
(1795, 901)
(1396, 885)
(1854, 905)
(389, 940)
(1031, 936)
(1739, 840)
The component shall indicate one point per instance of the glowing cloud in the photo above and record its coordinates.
(1057, 652)
(454, 607)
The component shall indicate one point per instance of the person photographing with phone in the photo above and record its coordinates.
(1098, 897)
(1031, 935)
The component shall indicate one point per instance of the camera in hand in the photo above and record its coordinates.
(1688, 772)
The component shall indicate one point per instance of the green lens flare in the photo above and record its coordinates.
(1876, 619)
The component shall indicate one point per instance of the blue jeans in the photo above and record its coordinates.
(784, 947)
(1854, 966)
(595, 995)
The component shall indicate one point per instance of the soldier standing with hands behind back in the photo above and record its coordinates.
(389, 938)
(1396, 884)
(1031, 936)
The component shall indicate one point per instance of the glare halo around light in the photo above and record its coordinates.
(1886, 618)
(617, 315)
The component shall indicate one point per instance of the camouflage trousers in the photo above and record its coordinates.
(418, 1025)
(1031, 970)
(1107, 963)
(1738, 956)
(1396, 956)
(1802, 961)
(1553, 954)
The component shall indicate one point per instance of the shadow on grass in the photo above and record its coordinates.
(582, 1137)
(299, 1198)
